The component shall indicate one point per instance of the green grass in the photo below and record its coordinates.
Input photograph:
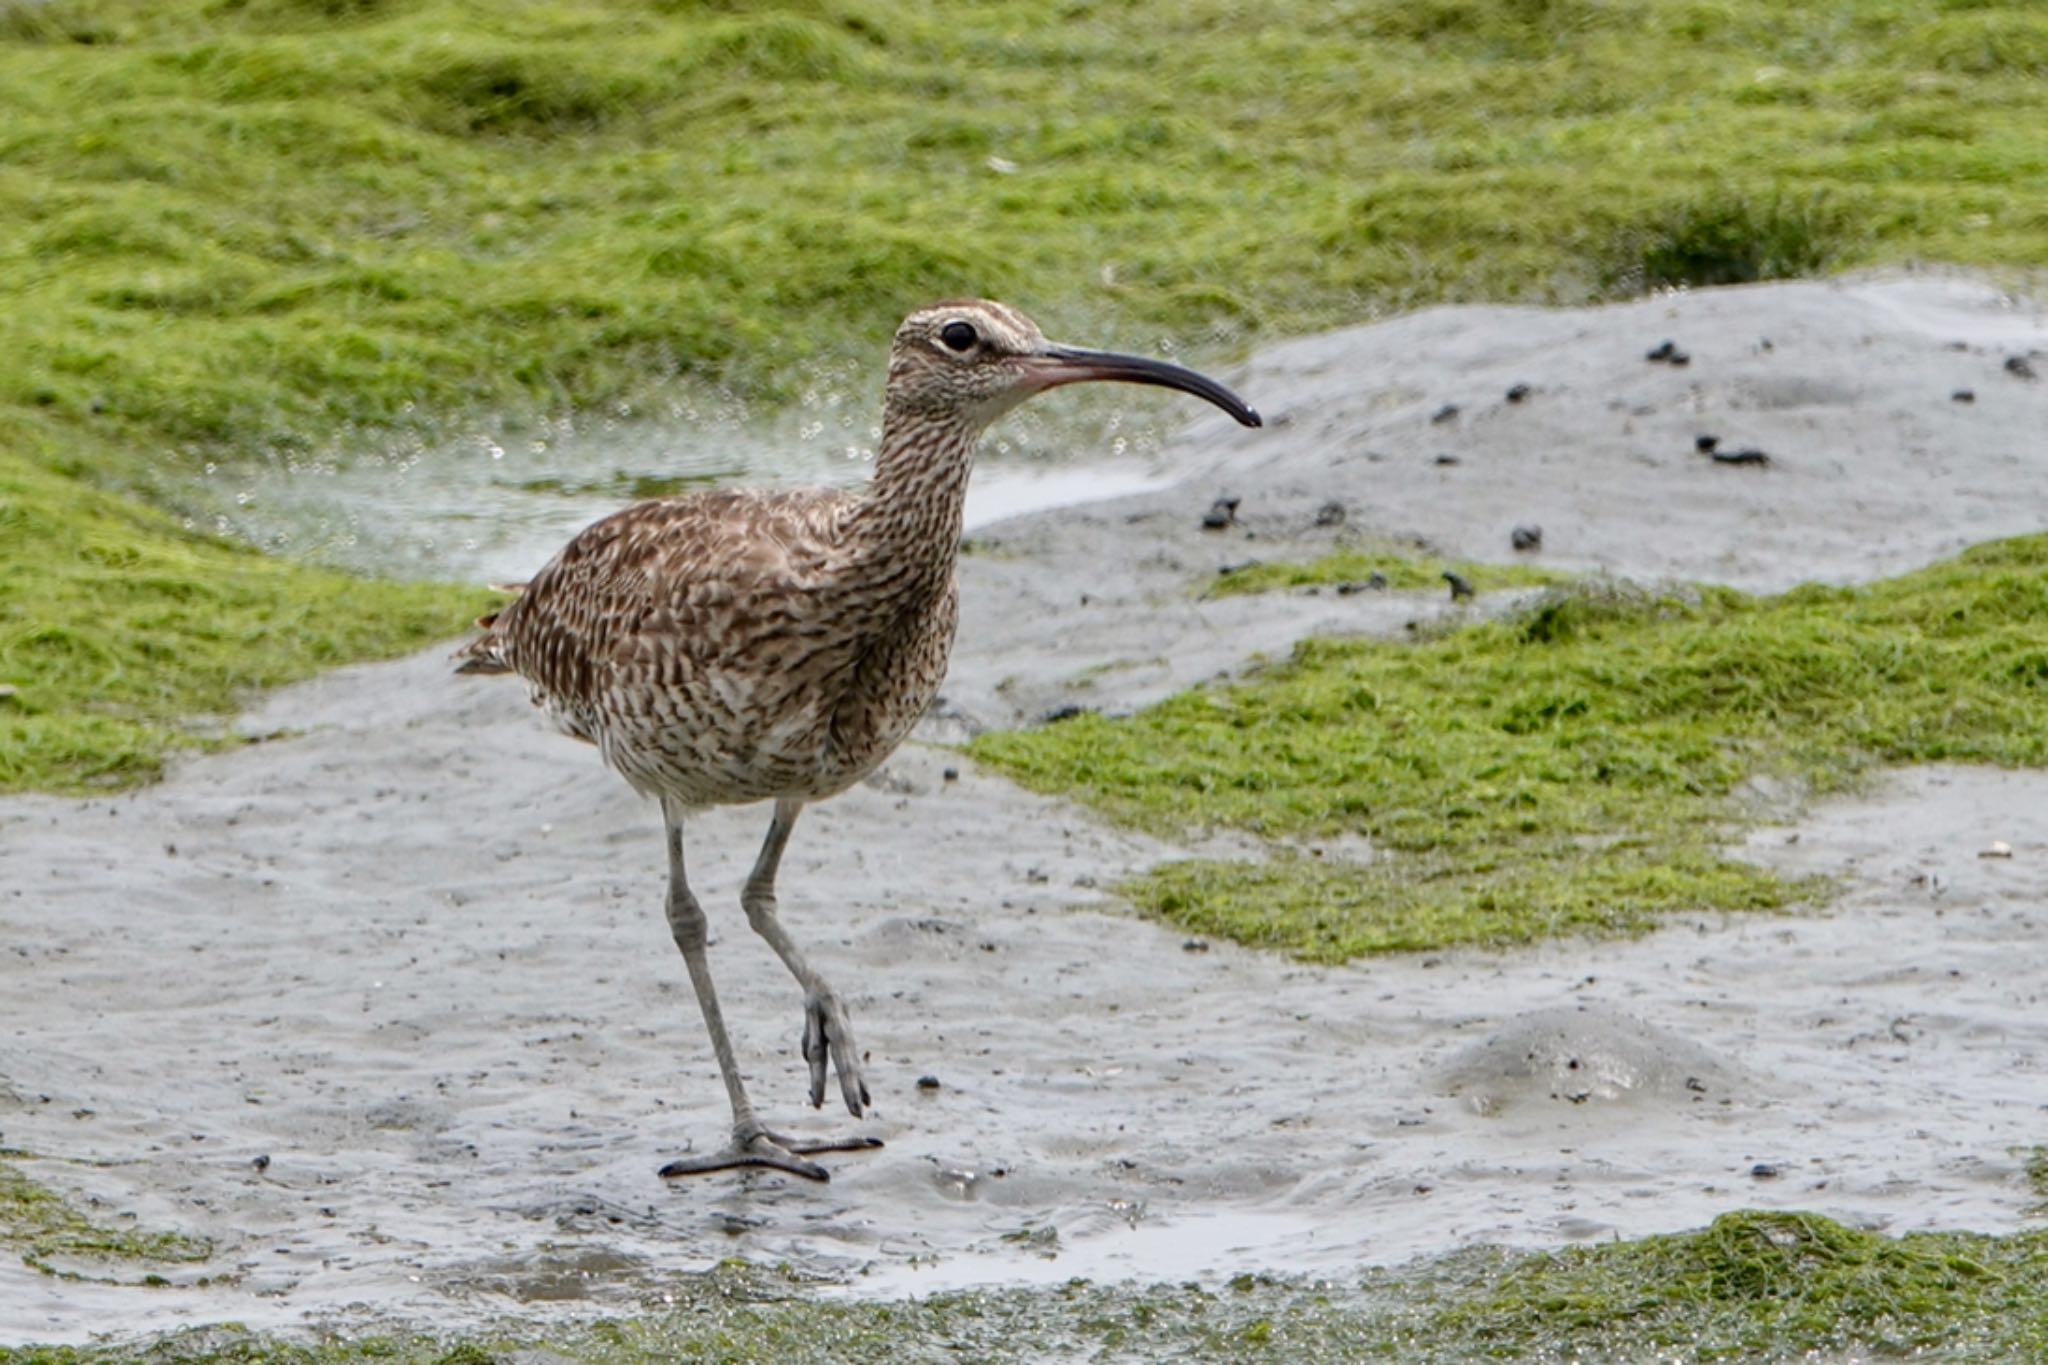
(241, 229)
(1397, 571)
(53, 1235)
(1750, 1287)
(1568, 770)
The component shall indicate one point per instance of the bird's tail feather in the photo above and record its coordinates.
(485, 654)
(482, 655)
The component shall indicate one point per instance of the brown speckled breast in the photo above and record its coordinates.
(728, 646)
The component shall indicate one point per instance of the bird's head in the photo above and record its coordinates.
(973, 359)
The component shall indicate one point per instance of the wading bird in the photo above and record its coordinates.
(737, 646)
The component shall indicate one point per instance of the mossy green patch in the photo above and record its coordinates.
(119, 628)
(1569, 769)
(53, 1234)
(1751, 1287)
(1387, 568)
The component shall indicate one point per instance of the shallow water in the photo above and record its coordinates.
(492, 504)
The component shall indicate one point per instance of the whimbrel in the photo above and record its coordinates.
(737, 646)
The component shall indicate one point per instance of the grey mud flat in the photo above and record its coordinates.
(410, 948)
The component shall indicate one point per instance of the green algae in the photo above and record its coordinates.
(1574, 768)
(1752, 1286)
(240, 224)
(54, 1235)
(124, 636)
(1388, 569)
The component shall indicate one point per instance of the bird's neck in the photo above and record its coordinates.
(910, 519)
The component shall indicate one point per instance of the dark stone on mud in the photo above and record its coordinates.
(950, 775)
(1445, 413)
(1763, 1170)
(1963, 396)
(1678, 358)
(1460, 587)
(1518, 392)
(1447, 459)
(1330, 513)
(261, 1162)
(1066, 712)
(1747, 455)
(2021, 366)
(1705, 444)
(1663, 350)
(1221, 513)
(927, 1082)
(1526, 537)
(1195, 945)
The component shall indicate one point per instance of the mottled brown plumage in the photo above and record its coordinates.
(739, 646)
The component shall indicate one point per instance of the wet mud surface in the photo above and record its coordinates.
(385, 1005)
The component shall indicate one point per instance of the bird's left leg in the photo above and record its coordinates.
(827, 1033)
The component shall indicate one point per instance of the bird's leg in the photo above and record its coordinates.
(827, 1032)
(752, 1143)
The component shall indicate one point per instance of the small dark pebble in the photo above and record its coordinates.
(2021, 366)
(262, 1163)
(1195, 945)
(927, 1082)
(951, 774)
(1663, 350)
(1060, 713)
(1747, 455)
(1330, 513)
(1705, 444)
(1460, 588)
(1376, 580)
(1444, 413)
(1446, 459)
(1526, 537)
(1764, 1170)
(1518, 392)
(1221, 513)
(1963, 396)
(1678, 358)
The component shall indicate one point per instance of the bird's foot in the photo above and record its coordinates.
(828, 1035)
(753, 1145)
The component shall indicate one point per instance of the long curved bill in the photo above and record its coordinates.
(1053, 366)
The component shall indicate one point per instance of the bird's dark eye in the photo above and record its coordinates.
(959, 335)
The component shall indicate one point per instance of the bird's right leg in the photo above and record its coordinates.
(828, 1034)
(752, 1143)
